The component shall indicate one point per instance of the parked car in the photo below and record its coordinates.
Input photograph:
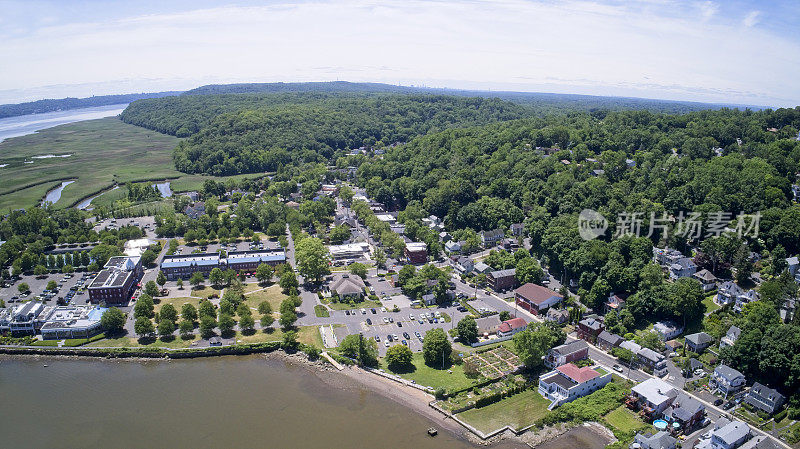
(369, 322)
(378, 338)
(399, 324)
(386, 320)
(373, 310)
(405, 334)
(617, 368)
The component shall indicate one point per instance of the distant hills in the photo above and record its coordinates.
(63, 104)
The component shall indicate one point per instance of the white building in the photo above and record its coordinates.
(349, 251)
(568, 382)
(73, 322)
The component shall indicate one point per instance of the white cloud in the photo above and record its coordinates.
(708, 9)
(575, 46)
(751, 18)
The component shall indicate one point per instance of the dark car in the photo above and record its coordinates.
(389, 337)
(405, 334)
(369, 322)
(399, 324)
(391, 320)
(347, 312)
(373, 310)
(718, 402)
(728, 405)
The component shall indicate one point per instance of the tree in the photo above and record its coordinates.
(143, 327)
(687, 298)
(186, 327)
(148, 257)
(188, 312)
(289, 340)
(364, 350)
(144, 307)
(216, 277)
(264, 307)
(288, 319)
(264, 273)
(226, 323)
(67, 269)
(161, 279)
(312, 257)
(52, 285)
(168, 312)
(505, 315)
(207, 325)
(39, 270)
(467, 330)
(206, 309)
(650, 340)
(151, 288)
(380, 258)
(399, 356)
(532, 343)
(266, 320)
(436, 348)
(197, 279)
(287, 305)
(247, 323)
(179, 283)
(288, 281)
(23, 287)
(339, 234)
(624, 355)
(112, 321)
(529, 270)
(166, 328)
(358, 269)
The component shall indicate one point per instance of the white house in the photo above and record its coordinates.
(568, 382)
(727, 380)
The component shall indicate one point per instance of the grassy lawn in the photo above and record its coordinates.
(273, 295)
(624, 420)
(711, 306)
(308, 335)
(367, 304)
(321, 311)
(519, 411)
(434, 377)
(177, 302)
(104, 152)
(206, 292)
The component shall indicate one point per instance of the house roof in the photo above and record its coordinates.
(705, 275)
(729, 288)
(695, 364)
(732, 432)
(579, 375)
(503, 273)
(607, 336)
(699, 339)
(591, 323)
(512, 324)
(569, 348)
(655, 390)
(727, 372)
(346, 284)
(685, 407)
(733, 332)
(495, 233)
(765, 392)
(536, 293)
(660, 440)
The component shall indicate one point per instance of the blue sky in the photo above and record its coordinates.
(717, 51)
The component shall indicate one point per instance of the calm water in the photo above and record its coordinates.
(87, 203)
(222, 402)
(54, 195)
(164, 189)
(28, 124)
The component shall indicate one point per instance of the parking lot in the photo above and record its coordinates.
(38, 285)
(148, 224)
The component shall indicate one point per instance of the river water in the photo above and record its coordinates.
(28, 124)
(55, 194)
(223, 402)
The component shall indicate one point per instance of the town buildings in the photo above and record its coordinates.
(568, 382)
(764, 398)
(608, 341)
(183, 266)
(707, 280)
(351, 251)
(502, 280)
(416, 253)
(589, 328)
(726, 380)
(698, 342)
(117, 281)
(347, 286)
(730, 337)
(73, 322)
(566, 353)
(490, 238)
(510, 327)
(658, 440)
(652, 397)
(535, 298)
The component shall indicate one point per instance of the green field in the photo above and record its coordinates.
(625, 421)
(518, 411)
(452, 377)
(104, 152)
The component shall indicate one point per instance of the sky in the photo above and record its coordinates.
(726, 51)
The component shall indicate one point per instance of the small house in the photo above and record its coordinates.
(698, 342)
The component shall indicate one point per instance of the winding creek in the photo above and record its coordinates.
(54, 195)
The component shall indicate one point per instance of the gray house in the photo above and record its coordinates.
(764, 398)
(698, 342)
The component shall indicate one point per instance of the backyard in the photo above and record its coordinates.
(518, 411)
(452, 377)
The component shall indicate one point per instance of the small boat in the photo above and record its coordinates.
(45, 366)
(433, 432)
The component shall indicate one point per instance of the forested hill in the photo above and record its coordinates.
(264, 139)
(486, 177)
(63, 104)
(542, 103)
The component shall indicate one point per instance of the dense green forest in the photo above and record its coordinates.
(312, 127)
(63, 104)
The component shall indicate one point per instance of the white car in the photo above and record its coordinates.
(411, 317)
(424, 316)
(385, 320)
(363, 311)
(386, 343)
(383, 309)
